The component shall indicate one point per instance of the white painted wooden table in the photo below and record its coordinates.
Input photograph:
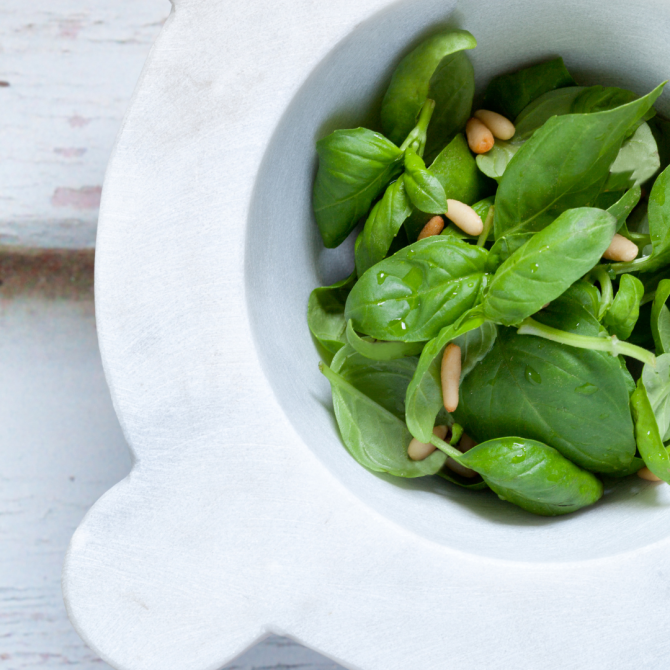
(67, 71)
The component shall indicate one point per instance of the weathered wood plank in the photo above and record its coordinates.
(67, 72)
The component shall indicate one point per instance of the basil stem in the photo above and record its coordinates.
(601, 275)
(488, 224)
(611, 344)
(445, 447)
(417, 136)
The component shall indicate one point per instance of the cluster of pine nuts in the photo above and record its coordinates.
(460, 215)
(484, 126)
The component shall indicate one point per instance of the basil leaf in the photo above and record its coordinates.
(509, 94)
(411, 85)
(575, 400)
(660, 318)
(574, 312)
(368, 402)
(456, 170)
(661, 130)
(659, 221)
(544, 267)
(355, 166)
(637, 161)
(424, 393)
(656, 381)
(648, 435)
(564, 165)
(533, 476)
(494, 163)
(622, 208)
(419, 290)
(382, 225)
(325, 313)
(475, 344)
(381, 351)
(622, 316)
(423, 188)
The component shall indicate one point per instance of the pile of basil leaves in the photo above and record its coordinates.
(541, 318)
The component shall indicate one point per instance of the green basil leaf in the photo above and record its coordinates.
(659, 221)
(355, 166)
(656, 382)
(456, 170)
(368, 402)
(564, 165)
(325, 313)
(548, 264)
(424, 393)
(622, 208)
(475, 344)
(660, 318)
(575, 400)
(418, 291)
(622, 316)
(504, 247)
(648, 435)
(574, 312)
(463, 482)
(412, 82)
(381, 351)
(637, 161)
(494, 163)
(533, 476)
(509, 94)
(660, 127)
(423, 188)
(381, 227)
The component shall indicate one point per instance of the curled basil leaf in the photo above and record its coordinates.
(325, 313)
(418, 291)
(381, 351)
(544, 267)
(423, 188)
(656, 381)
(381, 227)
(648, 435)
(368, 399)
(509, 94)
(575, 400)
(660, 318)
(355, 166)
(494, 163)
(623, 314)
(533, 476)
(564, 165)
(413, 83)
(424, 393)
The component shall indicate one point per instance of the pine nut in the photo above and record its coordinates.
(451, 376)
(464, 217)
(418, 451)
(499, 126)
(464, 445)
(647, 474)
(433, 227)
(621, 249)
(480, 138)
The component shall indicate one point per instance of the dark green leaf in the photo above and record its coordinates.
(423, 188)
(412, 81)
(574, 312)
(419, 290)
(660, 318)
(456, 170)
(381, 351)
(648, 435)
(575, 400)
(533, 476)
(622, 208)
(368, 400)
(622, 316)
(548, 264)
(325, 313)
(660, 127)
(424, 393)
(509, 94)
(355, 166)
(381, 227)
(475, 344)
(564, 165)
